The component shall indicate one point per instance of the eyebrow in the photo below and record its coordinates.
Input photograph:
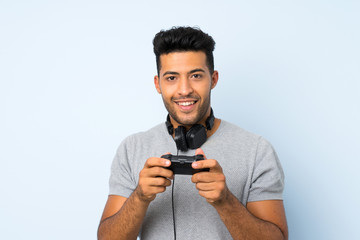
(197, 70)
(170, 73)
(176, 73)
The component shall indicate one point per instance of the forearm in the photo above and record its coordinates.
(242, 224)
(126, 223)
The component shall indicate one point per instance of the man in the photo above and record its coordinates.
(240, 197)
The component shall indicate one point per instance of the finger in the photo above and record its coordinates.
(155, 161)
(206, 186)
(208, 163)
(200, 151)
(156, 172)
(158, 182)
(211, 196)
(207, 177)
(160, 172)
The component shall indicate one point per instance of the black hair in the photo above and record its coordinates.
(180, 39)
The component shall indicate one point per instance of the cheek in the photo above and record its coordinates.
(168, 91)
(204, 89)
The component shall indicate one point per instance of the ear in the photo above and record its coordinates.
(214, 79)
(157, 84)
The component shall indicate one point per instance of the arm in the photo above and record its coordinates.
(258, 220)
(122, 217)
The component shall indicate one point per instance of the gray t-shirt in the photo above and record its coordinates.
(250, 164)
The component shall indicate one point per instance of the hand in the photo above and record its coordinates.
(212, 184)
(153, 178)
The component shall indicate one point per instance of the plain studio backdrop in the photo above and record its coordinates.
(76, 77)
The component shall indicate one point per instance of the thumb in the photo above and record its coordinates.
(200, 151)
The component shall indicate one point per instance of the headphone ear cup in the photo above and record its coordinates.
(180, 138)
(196, 136)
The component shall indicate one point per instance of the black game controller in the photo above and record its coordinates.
(182, 164)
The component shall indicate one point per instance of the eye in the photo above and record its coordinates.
(171, 78)
(196, 76)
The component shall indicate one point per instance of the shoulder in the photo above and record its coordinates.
(237, 138)
(230, 130)
(146, 136)
(147, 142)
(138, 147)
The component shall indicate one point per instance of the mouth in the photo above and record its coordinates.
(186, 104)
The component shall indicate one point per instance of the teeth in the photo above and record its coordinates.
(185, 103)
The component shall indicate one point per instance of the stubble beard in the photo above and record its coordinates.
(200, 114)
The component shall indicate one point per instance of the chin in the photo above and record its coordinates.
(189, 120)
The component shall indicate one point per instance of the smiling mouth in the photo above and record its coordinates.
(186, 103)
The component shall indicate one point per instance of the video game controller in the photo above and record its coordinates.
(182, 164)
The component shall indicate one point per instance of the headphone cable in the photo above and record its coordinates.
(173, 208)
(172, 201)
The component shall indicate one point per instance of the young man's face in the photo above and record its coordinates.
(185, 84)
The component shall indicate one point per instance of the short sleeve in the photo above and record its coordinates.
(121, 181)
(268, 176)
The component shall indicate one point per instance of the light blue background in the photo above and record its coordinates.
(76, 77)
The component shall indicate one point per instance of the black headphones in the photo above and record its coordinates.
(193, 138)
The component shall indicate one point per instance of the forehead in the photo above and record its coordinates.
(183, 61)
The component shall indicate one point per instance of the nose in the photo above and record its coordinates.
(185, 87)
